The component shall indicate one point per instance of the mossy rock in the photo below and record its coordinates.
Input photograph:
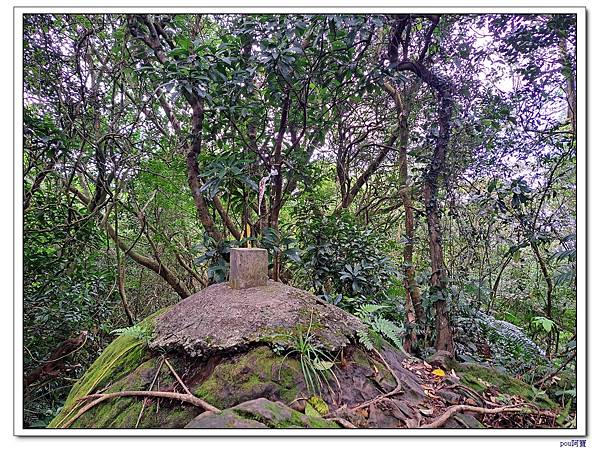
(480, 377)
(119, 359)
(259, 413)
(225, 381)
(246, 376)
(230, 347)
(463, 421)
(124, 412)
(222, 381)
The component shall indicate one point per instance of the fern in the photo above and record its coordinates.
(365, 339)
(366, 310)
(137, 332)
(388, 329)
(379, 327)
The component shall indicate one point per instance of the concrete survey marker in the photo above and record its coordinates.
(248, 310)
(248, 267)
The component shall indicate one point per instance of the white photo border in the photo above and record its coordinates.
(309, 6)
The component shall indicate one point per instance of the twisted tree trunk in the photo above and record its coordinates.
(414, 308)
(443, 90)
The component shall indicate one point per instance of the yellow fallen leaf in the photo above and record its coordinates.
(438, 372)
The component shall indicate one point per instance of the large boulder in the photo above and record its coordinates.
(220, 319)
(250, 353)
(231, 346)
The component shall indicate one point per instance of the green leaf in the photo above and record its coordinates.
(292, 253)
(309, 410)
(543, 322)
(564, 414)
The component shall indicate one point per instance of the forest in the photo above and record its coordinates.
(413, 174)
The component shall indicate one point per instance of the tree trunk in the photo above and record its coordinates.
(277, 189)
(193, 174)
(570, 88)
(497, 283)
(39, 179)
(122, 293)
(443, 89)
(152, 40)
(414, 308)
(444, 339)
(549, 288)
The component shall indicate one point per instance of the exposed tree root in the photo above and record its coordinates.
(456, 409)
(472, 393)
(99, 398)
(343, 422)
(179, 380)
(150, 389)
(396, 390)
(541, 382)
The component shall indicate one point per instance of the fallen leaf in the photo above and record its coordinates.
(322, 365)
(483, 382)
(430, 394)
(438, 372)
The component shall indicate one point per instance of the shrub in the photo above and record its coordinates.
(342, 258)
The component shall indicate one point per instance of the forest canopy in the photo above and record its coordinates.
(415, 170)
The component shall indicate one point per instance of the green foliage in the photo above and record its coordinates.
(215, 254)
(316, 365)
(137, 332)
(543, 323)
(226, 173)
(509, 347)
(378, 328)
(118, 127)
(68, 281)
(342, 257)
(318, 405)
(566, 274)
(279, 243)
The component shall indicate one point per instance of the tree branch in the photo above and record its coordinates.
(164, 272)
(99, 398)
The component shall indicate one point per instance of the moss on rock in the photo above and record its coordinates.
(257, 373)
(119, 359)
(225, 379)
(481, 377)
(259, 413)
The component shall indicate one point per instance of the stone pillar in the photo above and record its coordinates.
(248, 267)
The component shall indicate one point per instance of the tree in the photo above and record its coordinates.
(400, 39)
